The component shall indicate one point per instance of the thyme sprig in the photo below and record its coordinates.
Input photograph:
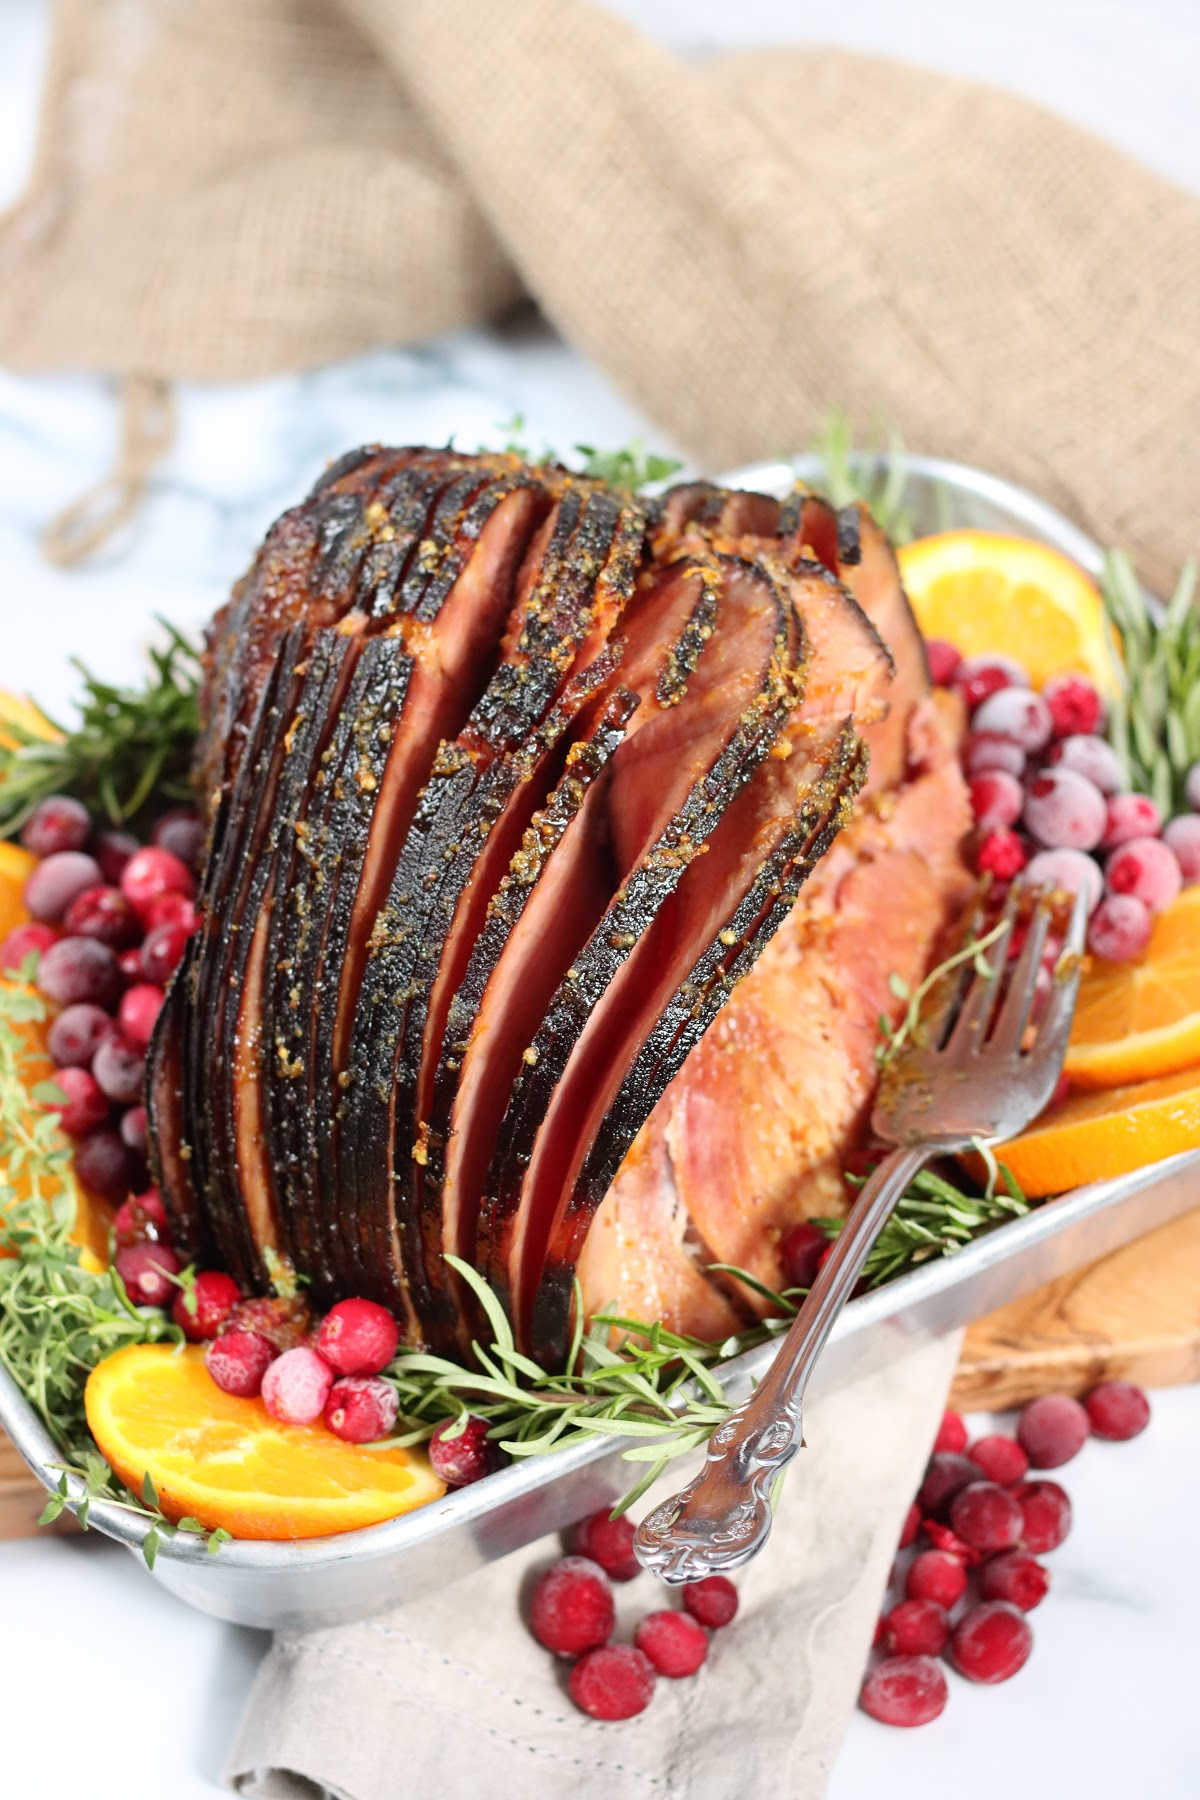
(1154, 720)
(99, 1483)
(631, 468)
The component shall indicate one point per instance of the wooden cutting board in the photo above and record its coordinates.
(1135, 1313)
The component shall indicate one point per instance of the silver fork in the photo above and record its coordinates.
(968, 1077)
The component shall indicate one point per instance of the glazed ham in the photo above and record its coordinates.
(561, 850)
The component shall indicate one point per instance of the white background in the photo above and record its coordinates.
(108, 1688)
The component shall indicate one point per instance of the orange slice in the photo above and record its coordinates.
(1010, 596)
(15, 865)
(1089, 1137)
(225, 1461)
(17, 709)
(1140, 1019)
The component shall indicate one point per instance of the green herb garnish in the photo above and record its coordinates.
(1154, 722)
(880, 484)
(630, 469)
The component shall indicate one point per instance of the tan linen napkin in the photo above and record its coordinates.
(452, 1696)
(251, 185)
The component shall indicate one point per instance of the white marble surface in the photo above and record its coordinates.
(109, 1687)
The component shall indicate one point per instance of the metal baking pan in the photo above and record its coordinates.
(329, 1580)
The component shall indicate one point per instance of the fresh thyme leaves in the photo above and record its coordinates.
(631, 468)
(934, 1218)
(1154, 722)
(880, 484)
(893, 1038)
(99, 1483)
(131, 745)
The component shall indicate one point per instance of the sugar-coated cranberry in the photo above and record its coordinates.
(284, 1322)
(181, 831)
(947, 1471)
(986, 1516)
(609, 1542)
(978, 677)
(1182, 838)
(674, 1642)
(141, 1216)
(1066, 872)
(996, 799)
(134, 1131)
(1092, 757)
(800, 1252)
(910, 1527)
(85, 1106)
(916, 1628)
(905, 1690)
(202, 1308)
(991, 1642)
(1117, 1410)
(103, 913)
(461, 1456)
(78, 968)
(1075, 705)
(361, 1408)
(571, 1609)
(613, 1682)
(1016, 713)
(943, 659)
(1064, 811)
(1129, 816)
(120, 1069)
(1147, 869)
(112, 850)
(152, 871)
(358, 1337)
(23, 941)
(238, 1360)
(56, 824)
(951, 1433)
(1191, 787)
(1119, 929)
(988, 750)
(139, 1007)
(147, 1271)
(1015, 1577)
(296, 1386)
(1047, 1512)
(1000, 1458)
(52, 885)
(1052, 1429)
(714, 1601)
(162, 952)
(171, 909)
(937, 1576)
(1001, 854)
(77, 1034)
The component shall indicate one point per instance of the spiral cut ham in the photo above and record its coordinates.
(513, 785)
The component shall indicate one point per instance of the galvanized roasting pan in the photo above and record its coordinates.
(326, 1580)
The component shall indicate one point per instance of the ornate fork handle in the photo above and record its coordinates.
(723, 1517)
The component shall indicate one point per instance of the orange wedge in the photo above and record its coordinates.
(1137, 1020)
(16, 709)
(1010, 596)
(154, 1410)
(1089, 1137)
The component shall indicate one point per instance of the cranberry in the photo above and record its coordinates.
(1047, 1513)
(77, 1034)
(1000, 1458)
(120, 1069)
(945, 1473)
(978, 677)
(55, 883)
(1182, 838)
(238, 1360)
(1145, 868)
(608, 1542)
(1117, 1410)
(1192, 787)
(613, 1682)
(138, 1010)
(996, 799)
(1001, 854)
(162, 952)
(1018, 714)
(144, 1216)
(113, 849)
(181, 831)
(572, 1607)
(147, 1271)
(284, 1323)
(150, 872)
(103, 913)
(361, 1408)
(991, 1642)
(916, 1628)
(1119, 929)
(673, 1642)
(84, 1107)
(56, 824)
(952, 1433)
(129, 963)
(1014, 1577)
(714, 1601)
(988, 750)
(1064, 811)
(171, 909)
(1075, 706)
(134, 1130)
(78, 968)
(1092, 757)
(800, 1253)
(911, 1526)
(943, 659)
(941, 1537)
(986, 1516)
(904, 1690)
(1130, 816)
(23, 941)
(1051, 1430)
(201, 1309)
(296, 1386)
(357, 1337)
(935, 1575)
(1066, 872)
(461, 1457)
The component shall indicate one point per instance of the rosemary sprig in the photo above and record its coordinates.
(1154, 721)
(130, 745)
(881, 487)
